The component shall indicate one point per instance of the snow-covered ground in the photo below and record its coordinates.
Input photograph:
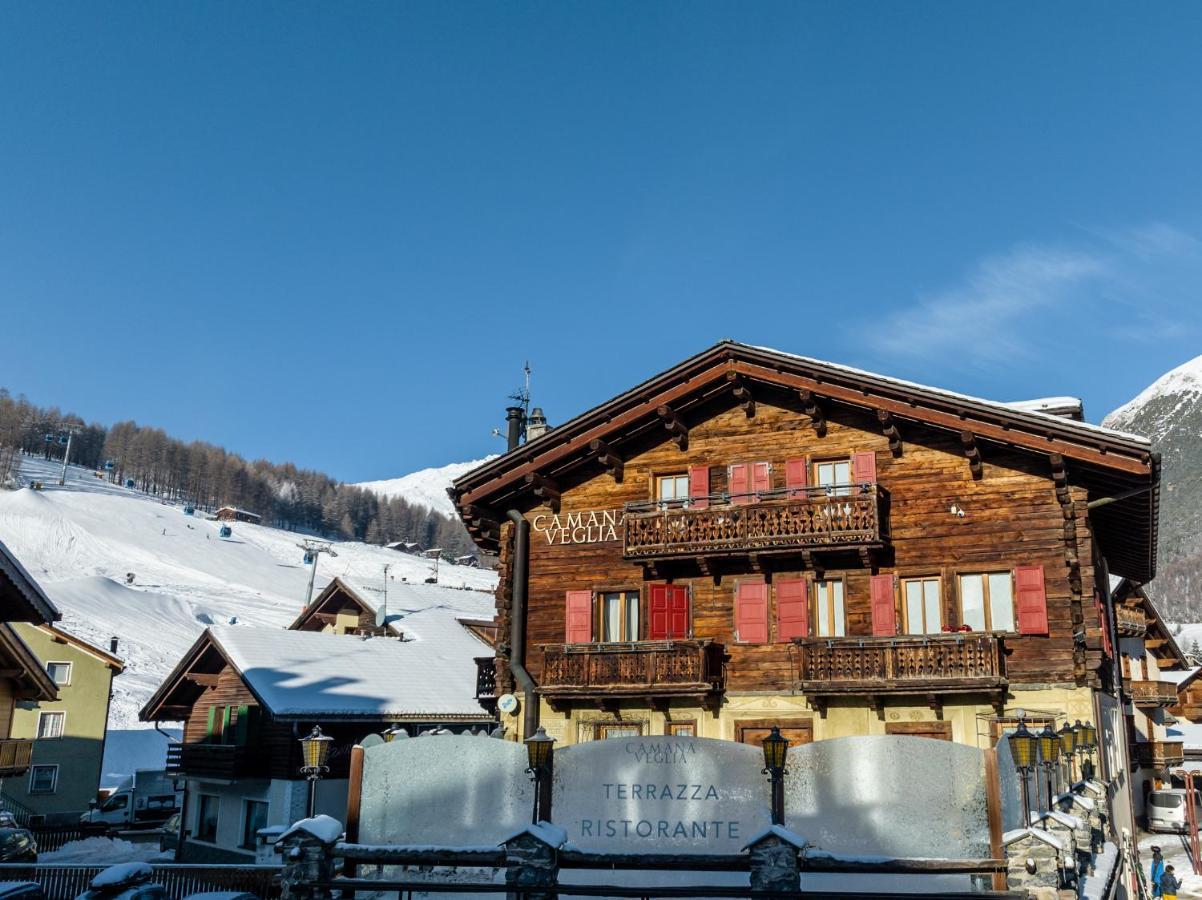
(105, 851)
(426, 487)
(1176, 854)
(81, 540)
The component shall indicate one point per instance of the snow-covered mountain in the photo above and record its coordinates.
(83, 541)
(426, 487)
(1169, 412)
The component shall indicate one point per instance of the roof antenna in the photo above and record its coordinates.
(517, 414)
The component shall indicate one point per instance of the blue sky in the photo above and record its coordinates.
(333, 233)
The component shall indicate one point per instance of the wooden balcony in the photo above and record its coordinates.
(876, 667)
(222, 762)
(1131, 621)
(15, 754)
(1158, 754)
(1152, 693)
(655, 670)
(486, 683)
(776, 522)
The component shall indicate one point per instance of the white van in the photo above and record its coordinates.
(1166, 809)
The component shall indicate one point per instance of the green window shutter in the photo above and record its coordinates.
(242, 726)
(212, 718)
(225, 724)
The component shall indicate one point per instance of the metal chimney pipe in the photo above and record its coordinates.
(112, 645)
(515, 420)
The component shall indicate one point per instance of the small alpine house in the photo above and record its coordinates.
(754, 539)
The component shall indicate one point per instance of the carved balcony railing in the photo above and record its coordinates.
(1131, 622)
(1153, 693)
(938, 664)
(637, 669)
(1158, 754)
(15, 754)
(841, 517)
(486, 683)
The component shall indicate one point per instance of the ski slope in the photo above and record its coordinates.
(426, 487)
(81, 540)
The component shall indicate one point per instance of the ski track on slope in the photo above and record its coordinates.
(79, 541)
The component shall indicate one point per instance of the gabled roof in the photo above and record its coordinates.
(409, 605)
(21, 598)
(113, 662)
(1117, 467)
(31, 677)
(1169, 652)
(305, 675)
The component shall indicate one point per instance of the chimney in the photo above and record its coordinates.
(538, 424)
(515, 420)
(113, 645)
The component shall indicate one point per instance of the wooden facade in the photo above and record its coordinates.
(745, 535)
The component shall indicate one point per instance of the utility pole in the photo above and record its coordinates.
(70, 429)
(315, 549)
(382, 613)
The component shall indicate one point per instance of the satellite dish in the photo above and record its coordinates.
(507, 703)
(372, 740)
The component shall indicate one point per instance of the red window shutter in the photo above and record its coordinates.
(739, 482)
(579, 617)
(884, 607)
(657, 613)
(796, 475)
(792, 609)
(751, 612)
(1104, 623)
(763, 477)
(678, 612)
(863, 467)
(1030, 600)
(699, 487)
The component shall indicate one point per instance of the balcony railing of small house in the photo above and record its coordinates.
(834, 517)
(486, 677)
(1159, 754)
(642, 668)
(225, 761)
(1153, 693)
(1131, 622)
(882, 665)
(15, 754)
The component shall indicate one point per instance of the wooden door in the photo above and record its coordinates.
(797, 731)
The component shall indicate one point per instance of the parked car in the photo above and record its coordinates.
(1166, 809)
(17, 845)
(169, 833)
(127, 881)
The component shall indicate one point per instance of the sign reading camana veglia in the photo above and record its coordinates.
(660, 794)
(590, 527)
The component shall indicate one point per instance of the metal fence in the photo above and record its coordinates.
(68, 882)
(51, 839)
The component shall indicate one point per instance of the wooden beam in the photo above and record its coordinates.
(677, 428)
(889, 429)
(812, 408)
(205, 679)
(742, 393)
(972, 453)
(610, 461)
(545, 489)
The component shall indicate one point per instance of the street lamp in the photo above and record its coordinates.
(1068, 746)
(1087, 740)
(394, 732)
(315, 750)
(776, 748)
(540, 754)
(1049, 752)
(1024, 747)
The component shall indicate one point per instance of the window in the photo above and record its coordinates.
(50, 724)
(834, 475)
(115, 802)
(206, 817)
(59, 672)
(987, 601)
(829, 617)
(43, 779)
(605, 732)
(672, 490)
(920, 602)
(620, 616)
(254, 817)
(681, 729)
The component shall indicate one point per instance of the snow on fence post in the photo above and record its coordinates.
(532, 861)
(308, 852)
(773, 858)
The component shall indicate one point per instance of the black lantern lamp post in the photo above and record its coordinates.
(776, 747)
(1049, 753)
(1087, 741)
(1068, 746)
(540, 754)
(1024, 747)
(315, 750)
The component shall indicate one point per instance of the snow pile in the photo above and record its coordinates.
(325, 828)
(427, 487)
(104, 851)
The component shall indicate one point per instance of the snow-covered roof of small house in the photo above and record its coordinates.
(413, 607)
(1179, 676)
(1085, 803)
(1038, 833)
(1068, 407)
(1065, 819)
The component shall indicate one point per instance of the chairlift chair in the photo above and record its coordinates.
(108, 465)
(188, 511)
(308, 558)
(62, 439)
(225, 531)
(49, 439)
(129, 483)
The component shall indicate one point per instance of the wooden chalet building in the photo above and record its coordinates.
(234, 514)
(22, 675)
(753, 538)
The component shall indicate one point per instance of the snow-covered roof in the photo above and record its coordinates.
(1189, 733)
(780, 831)
(1056, 406)
(425, 611)
(1086, 803)
(549, 834)
(311, 674)
(39, 608)
(1179, 676)
(1065, 819)
(1038, 833)
(325, 828)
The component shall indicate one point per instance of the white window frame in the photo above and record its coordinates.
(987, 598)
(61, 662)
(53, 782)
(195, 836)
(62, 729)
